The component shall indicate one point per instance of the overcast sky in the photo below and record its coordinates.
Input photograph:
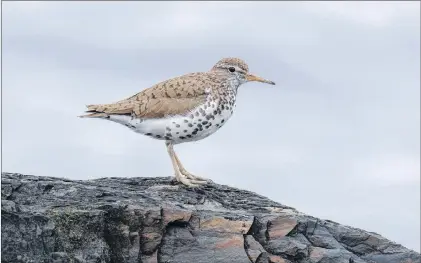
(338, 137)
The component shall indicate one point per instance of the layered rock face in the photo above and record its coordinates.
(153, 220)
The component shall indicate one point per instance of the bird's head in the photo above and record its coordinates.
(238, 69)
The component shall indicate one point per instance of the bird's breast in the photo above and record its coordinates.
(195, 125)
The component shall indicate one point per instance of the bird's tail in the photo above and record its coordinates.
(94, 115)
(95, 111)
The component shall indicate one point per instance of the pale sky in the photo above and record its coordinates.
(338, 137)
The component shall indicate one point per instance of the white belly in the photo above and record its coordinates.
(196, 125)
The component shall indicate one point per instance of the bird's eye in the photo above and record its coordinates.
(231, 69)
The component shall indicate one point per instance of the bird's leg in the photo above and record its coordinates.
(178, 175)
(186, 173)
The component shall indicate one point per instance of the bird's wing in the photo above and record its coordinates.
(172, 97)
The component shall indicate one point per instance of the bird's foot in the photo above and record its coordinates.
(190, 180)
(195, 177)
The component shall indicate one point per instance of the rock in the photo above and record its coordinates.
(154, 220)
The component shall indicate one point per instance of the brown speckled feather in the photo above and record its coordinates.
(171, 97)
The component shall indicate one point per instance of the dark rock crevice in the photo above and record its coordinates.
(154, 220)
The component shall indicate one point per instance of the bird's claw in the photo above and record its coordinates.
(191, 180)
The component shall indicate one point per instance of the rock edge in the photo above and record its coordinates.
(154, 220)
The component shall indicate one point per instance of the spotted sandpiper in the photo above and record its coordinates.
(182, 109)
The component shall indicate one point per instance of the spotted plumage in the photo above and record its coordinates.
(182, 109)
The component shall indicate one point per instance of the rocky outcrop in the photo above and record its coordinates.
(153, 220)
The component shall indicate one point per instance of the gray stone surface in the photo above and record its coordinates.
(153, 220)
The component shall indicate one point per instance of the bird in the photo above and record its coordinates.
(182, 109)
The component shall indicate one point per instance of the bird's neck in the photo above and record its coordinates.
(234, 84)
(230, 83)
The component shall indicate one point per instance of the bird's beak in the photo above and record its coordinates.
(251, 77)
